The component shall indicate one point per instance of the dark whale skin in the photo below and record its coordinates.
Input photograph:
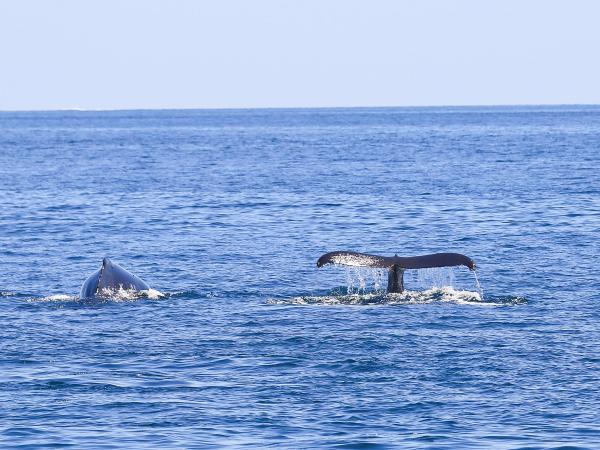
(347, 258)
(113, 277)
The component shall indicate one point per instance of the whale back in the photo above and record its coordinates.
(111, 277)
(114, 276)
(90, 286)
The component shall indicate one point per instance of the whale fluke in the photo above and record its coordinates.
(356, 259)
(111, 277)
(395, 264)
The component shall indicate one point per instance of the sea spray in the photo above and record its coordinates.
(362, 280)
(365, 279)
(479, 288)
(435, 277)
(434, 295)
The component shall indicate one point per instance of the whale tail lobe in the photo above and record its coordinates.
(346, 258)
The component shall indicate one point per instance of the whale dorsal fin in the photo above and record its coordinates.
(113, 276)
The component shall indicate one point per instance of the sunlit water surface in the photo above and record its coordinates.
(243, 341)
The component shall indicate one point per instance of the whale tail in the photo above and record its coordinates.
(396, 265)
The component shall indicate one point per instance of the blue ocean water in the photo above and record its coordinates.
(226, 213)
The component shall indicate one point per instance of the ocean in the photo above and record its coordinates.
(225, 212)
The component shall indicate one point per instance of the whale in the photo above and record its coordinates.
(110, 277)
(396, 265)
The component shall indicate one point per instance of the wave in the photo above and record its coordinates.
(435, 295)
(192, 293)
(110, 295)
(338, 296)
(116, 295)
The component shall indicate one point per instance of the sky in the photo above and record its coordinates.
(129, 54)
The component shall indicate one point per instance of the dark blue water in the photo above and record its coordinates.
(226, 213)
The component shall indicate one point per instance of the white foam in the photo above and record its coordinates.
(444, 294)
(129, 294)
(154, 294)
(54, 298)
(59, 297)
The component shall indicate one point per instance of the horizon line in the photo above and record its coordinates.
(247, 108)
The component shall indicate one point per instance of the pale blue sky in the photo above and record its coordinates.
(114, 54)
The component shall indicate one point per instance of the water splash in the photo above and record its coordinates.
(129, 294)
(59, 298)
(443, 294)
(154, 294)
(435, 277)
(364, 279)
(479, 288)
(53, 298)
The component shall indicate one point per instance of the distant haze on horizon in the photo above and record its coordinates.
(146, 54)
